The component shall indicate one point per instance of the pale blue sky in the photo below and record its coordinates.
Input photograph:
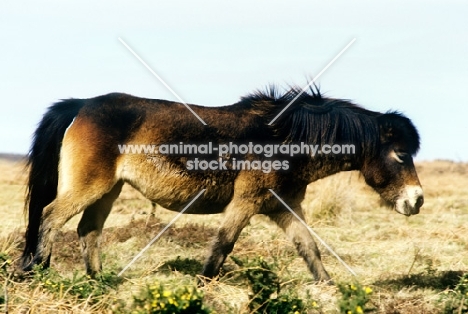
(410, 56)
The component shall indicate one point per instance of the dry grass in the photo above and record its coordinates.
(408, 262)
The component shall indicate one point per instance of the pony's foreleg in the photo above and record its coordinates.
(236, 218)
(302, 239)
(90, 229)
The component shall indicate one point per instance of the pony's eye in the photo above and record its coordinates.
(399, 156)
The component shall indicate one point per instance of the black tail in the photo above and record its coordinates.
(43, 161)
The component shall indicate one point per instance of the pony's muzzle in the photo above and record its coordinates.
(410, 200)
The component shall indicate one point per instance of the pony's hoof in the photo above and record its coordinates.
(203, 281)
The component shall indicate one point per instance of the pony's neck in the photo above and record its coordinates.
(320, 167)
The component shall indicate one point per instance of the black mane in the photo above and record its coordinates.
(314, 119)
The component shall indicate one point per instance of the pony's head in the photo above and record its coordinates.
(386, 142)
(391, 172)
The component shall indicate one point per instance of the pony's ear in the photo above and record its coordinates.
(388, 132)
(396, 128)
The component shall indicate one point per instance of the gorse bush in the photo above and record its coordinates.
(158, 299)
(265, 296)
(354, 298)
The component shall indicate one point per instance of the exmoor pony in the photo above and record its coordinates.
(77, 164)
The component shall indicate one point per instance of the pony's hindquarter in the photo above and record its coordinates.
(87, 182)
(78, 174)
(43, 161)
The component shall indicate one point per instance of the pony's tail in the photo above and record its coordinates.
(43, 161)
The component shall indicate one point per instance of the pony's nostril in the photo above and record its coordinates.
(419, 201)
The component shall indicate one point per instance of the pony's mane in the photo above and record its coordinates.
(314, 119)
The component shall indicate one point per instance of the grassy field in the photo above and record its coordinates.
(404, 265)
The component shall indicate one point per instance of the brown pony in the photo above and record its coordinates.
(77, 164)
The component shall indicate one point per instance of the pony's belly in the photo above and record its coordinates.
(174, 188)
(212, 201)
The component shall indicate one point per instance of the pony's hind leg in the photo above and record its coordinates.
(54, 216)
(302, 239)
(74, 195)
(90, 229)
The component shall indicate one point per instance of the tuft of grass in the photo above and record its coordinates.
(328, 198)
(186, 266)
(83, 287)
(456, 300)
(5, 262)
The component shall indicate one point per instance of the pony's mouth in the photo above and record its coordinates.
(406, 209)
